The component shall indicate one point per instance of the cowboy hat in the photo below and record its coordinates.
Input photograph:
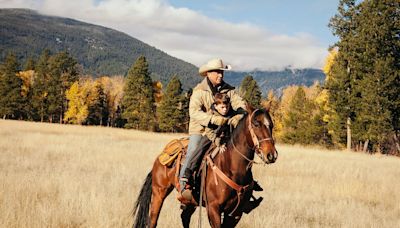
(214, 64)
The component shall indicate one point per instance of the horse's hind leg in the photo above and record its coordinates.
(158, 196)
(187, 214)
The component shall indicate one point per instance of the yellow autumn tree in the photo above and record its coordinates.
(157, 87)
(273, 103)
(281, 113)
(77, 111)
(313, 91)
(322, 101)
(27, 81)
(329, 61)
(329, 115)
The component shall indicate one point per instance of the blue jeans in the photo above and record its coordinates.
(193, 155)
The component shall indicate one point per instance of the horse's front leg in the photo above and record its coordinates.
(187, 214)
(214, 215)
(231, 221)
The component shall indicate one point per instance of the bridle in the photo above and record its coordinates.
(256, 142)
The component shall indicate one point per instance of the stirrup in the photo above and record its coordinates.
(182, 184)
(185, 197)
(187, 194)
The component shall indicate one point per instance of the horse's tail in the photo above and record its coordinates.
(142, 205)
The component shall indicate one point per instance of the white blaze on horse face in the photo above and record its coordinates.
(266, 122)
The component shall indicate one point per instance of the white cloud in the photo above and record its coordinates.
(189, 35)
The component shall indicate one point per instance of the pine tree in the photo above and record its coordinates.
(98, 107)
(250, 91)
(367, 69)
(346, 72)
(40, 87)
(171, 113)
(138, 100)
(26, 92)
(11, 99)
(380, 43)
(29, 64)
(185, 109)
(298, 124)
(63, 72)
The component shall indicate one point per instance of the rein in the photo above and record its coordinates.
(251, 162)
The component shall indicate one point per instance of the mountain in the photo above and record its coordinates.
(100, 50)
(278, 80)
(104, 51)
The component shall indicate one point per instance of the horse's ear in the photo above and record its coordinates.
(267, 105)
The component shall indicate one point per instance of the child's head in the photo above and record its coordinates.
(222, 103)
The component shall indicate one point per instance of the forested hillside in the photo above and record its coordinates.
(278, 80)
(100, 50)
(104, 51)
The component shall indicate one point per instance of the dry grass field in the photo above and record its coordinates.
(74, 176)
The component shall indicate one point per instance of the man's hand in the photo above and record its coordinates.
(218, 120)
(234, 120)
(222, 148)
(217, 141)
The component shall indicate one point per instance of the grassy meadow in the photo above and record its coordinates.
(72, 176)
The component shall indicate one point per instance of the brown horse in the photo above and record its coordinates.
(253, 135)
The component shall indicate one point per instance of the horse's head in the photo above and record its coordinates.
(260, 127)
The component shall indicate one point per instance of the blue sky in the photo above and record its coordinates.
(281, 16)
(264, 35)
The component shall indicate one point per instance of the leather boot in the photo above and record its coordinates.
(185, 194)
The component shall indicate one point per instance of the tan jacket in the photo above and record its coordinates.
(200, 105)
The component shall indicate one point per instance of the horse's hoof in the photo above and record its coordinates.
(257, 187)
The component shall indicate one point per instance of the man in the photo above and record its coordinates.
(201, 117)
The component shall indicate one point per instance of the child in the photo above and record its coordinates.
(220, 134)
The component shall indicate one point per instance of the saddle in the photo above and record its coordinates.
(175, 151)
(172, 150)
